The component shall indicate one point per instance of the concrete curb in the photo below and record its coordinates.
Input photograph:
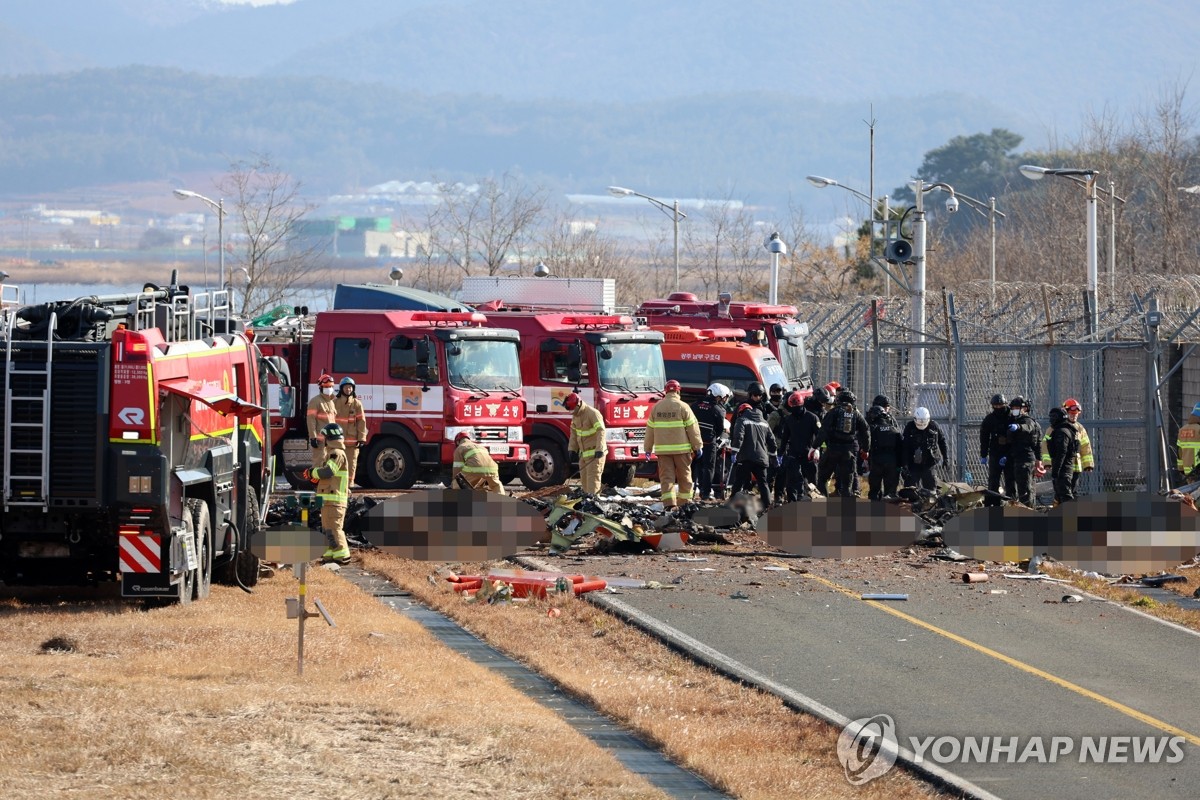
(719, 662)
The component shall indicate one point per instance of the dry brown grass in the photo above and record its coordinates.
(204, 701)
(1135, 599)
(743, 740)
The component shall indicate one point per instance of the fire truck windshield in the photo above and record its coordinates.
(633, 366)
(487, 364)
(793, 362)
(772, 373)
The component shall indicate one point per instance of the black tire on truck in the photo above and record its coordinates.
(202, 523)
(186, 586)
(243, 569)
(547, 464)
(390, 464)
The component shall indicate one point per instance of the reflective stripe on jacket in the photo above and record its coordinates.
(334, 485)
(587, 432)
(473, 459)
(352, 418)
(322, 410)
(1083, 458)
(672, 428)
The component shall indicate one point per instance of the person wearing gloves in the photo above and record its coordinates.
(333, 487)
(475, 464)
(673, 434)
(710, 415)
(886, 440)
(1024, 453)
(752, 443)
(816, 403)
(353, 418)
(993, 444)
(847, 439)
(1062, 445)
(322, 411)
(587, 445)
(923, 450)
(1085, 459)
(798, 443)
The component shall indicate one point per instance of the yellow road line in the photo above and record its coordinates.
(1012, 662)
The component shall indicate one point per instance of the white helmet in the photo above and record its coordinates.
(720, 390)
(921, 418)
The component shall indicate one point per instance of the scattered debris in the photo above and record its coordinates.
(739, 595)
(885, 597)
(1159, 580)
(946, 554)
(974, 577)
(1072, 598)
(773, 568)
(998, 591)
(687, 558)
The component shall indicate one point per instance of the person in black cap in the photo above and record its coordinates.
(884, 477)
(993, 443)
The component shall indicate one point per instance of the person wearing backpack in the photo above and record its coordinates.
(884, 478)
(923, 450)
(847, 438)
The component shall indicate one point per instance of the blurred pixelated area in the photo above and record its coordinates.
(842, 527)
(453, 525)
(1116, 533)
(290, 544)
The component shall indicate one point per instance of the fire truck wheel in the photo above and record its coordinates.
(244, 568)
(547, 465)
(202, 583)
(391, 464)
(619, 475)
(186, 585)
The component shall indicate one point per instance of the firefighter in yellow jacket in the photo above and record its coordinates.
(333, 487)
(475, 464)
(673, 434)
(1188, 446)
(353, 419)
(1085, 460)
(587, 442)
(322, 411)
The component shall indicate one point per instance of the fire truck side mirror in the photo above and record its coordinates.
(605, 353)
(422, 348)
(423, 372)
(287, 401)
(574, 355)
(574, 375)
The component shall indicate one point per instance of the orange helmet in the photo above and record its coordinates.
(571, 401)
(458, 437)
(672, 386)
(795, 399)
(744, 407)
(1071, 404)
(324, 379)
(832, 388)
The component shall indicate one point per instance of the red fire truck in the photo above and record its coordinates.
(774, 326)
(132, 444)
(422, 377)
(571, 341)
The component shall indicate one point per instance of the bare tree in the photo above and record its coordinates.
(480, 227)
(265, 211)
(726, 248)
(576, 248)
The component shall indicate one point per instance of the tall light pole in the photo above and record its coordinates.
(663, 206)
(987, 209)
(776, 247)
(1086, 177)
(219, 207)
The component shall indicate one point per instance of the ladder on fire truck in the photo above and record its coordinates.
(28, 392)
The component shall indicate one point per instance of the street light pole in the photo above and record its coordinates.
(776, 247)
(663, 206)
(219, 207)
(1086, 177)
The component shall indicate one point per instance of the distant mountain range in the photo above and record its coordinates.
(688, 98)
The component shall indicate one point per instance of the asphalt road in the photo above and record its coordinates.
(964, 662)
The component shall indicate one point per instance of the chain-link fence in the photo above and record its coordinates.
(1137, 376)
